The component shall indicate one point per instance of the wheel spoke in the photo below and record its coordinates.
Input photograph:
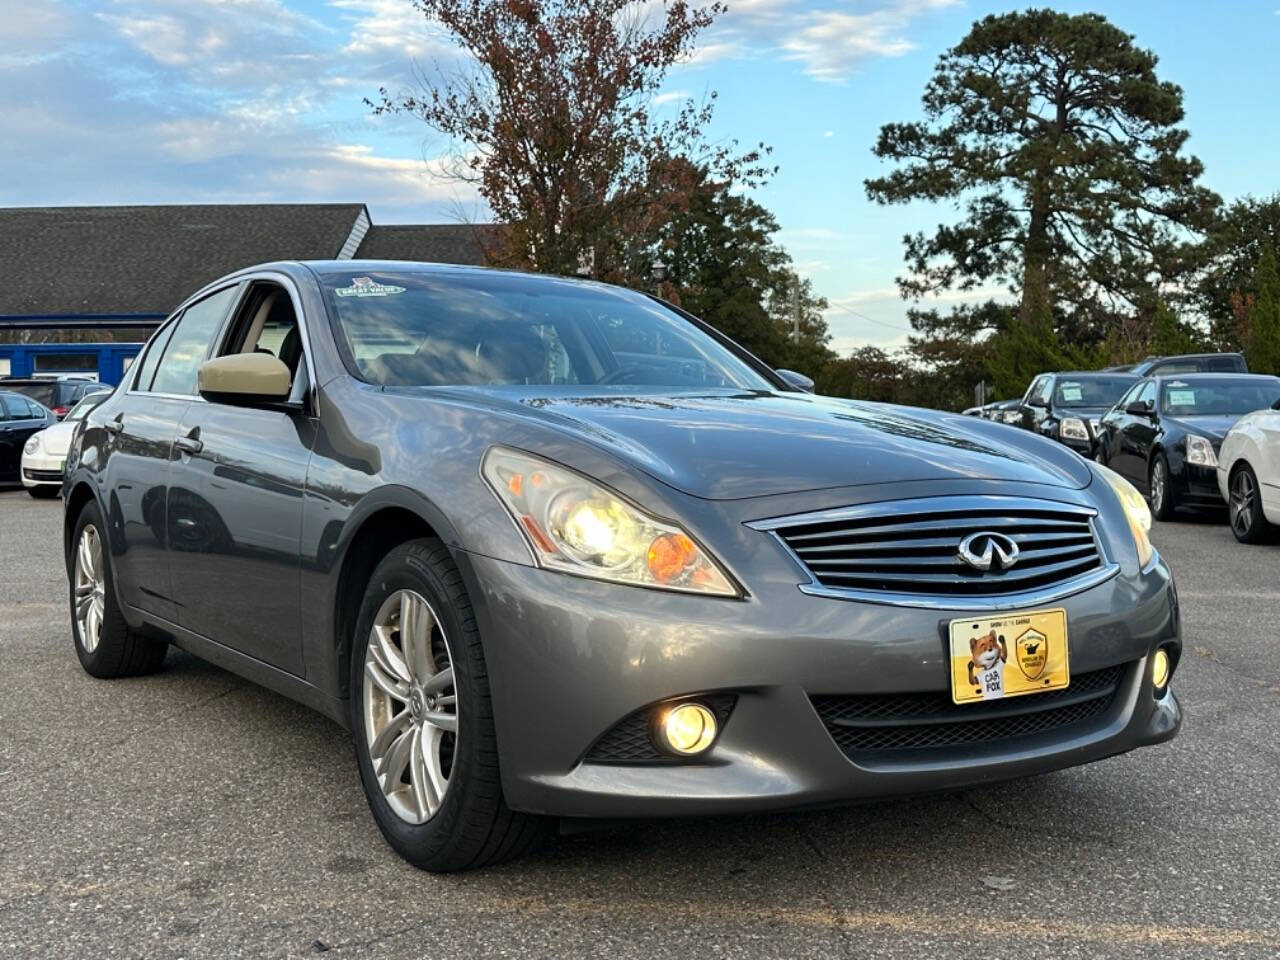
(385, 653)
(432, 739)
(84, 557)
(416, 623)
(440, 682)
(447, 722)
(396, 759)
(391, 686)
(423, 790)
(388, 734)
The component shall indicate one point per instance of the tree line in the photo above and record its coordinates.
(1050, 138)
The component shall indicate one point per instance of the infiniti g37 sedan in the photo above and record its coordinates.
(554, 550)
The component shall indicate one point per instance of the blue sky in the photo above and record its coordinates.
(165, 101)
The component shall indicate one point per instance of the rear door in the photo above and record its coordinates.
(236, 504)
(140, 453)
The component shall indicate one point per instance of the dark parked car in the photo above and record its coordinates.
(20, 418)
(1068, 406)
(1165, 433)
(1186, 363)
(58, 395)
(553, 548)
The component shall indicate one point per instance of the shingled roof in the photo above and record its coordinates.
(147, 259)
(464, 243)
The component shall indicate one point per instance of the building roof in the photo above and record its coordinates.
(463, 243)
(147, 259)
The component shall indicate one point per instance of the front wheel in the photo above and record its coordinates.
(1245, 507)
(1163, 503)
(422, 718)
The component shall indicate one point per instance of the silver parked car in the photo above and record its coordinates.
(555, 549)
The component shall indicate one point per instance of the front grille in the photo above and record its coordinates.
(912, 546)
(630, 739)
(47, 476)
(867, 724)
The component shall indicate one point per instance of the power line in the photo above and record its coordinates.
(863, 316)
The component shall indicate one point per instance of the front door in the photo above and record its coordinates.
(19, 420)
(235, 507)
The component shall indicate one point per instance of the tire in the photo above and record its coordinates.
(1163, 500)
(470, 825)
(43, 492)
(1245, 507)
(105, 644)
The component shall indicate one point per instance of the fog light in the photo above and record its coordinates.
(1160, 670)
(687, 729)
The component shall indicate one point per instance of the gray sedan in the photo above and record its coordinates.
(553, 550)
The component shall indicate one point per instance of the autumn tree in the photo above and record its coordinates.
(1060, 145)
(552, 118)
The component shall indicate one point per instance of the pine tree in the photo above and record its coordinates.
(1264, 318)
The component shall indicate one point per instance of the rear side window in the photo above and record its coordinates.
(189, 344)
(147, 369)
(4, 407)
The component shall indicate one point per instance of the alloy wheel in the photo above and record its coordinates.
(91, 588)
(1244, 497)
(410, 706)
(1158, 485)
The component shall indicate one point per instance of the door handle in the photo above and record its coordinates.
(113, 426)
(189, 444)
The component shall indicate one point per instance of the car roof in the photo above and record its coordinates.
(1210, 377)
(1109, 374)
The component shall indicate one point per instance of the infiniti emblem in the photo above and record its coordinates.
(988, 551)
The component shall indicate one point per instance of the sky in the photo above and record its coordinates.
(207, 101)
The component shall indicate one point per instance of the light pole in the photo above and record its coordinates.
(658, 273)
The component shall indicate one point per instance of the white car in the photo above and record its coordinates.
(45, 453)
(1249, 475)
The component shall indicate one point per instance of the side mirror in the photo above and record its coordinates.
(244, 378)
(1138, 410)
(797, 380)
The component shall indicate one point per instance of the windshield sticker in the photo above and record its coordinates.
(1071, 392)
(1182, 398)
(365, 287)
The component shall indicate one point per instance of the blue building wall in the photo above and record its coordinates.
(107, 361)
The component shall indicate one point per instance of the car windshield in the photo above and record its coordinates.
(1181, 398)
(1090, 392)
(81, 409)
(40, 392)
(420, 328)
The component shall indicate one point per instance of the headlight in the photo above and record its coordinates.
(1200, 451)
(32, 445)
(577, 526)
(1073, 428)
(1135, 509)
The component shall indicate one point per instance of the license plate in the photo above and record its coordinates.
(1009, 655)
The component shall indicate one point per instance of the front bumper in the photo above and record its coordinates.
(570, 658)
(42, 470)
(1198, 486)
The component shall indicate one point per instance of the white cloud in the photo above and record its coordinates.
(389, 29)
(671, 96)
(833, 43)
(829, 134)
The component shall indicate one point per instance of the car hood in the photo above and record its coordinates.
(56, 440)
(1213, 427)
(730, 445)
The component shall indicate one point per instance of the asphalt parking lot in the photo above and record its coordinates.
(191, 814)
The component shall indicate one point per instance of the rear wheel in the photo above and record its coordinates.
(107, 648)
(1245, 507)
(423, 721)
(1163, 502)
